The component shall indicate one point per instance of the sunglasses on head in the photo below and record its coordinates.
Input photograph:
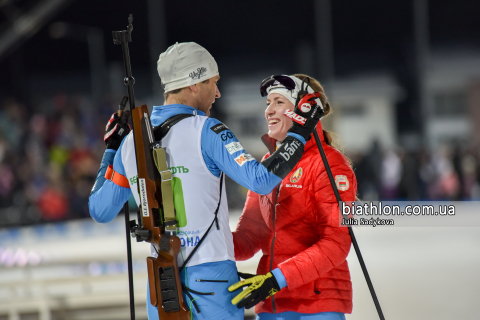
(271, 81)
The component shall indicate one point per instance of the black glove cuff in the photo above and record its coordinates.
(304, 131)
(113, 144)
(282, 161)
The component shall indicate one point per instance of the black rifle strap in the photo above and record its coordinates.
(354, 240)
(161, 131)
(215, 220)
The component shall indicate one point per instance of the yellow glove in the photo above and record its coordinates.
(259, 288)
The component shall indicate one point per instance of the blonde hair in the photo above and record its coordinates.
(332, 139)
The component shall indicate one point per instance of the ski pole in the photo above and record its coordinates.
(354, 240)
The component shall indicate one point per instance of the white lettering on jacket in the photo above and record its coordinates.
(290, 150)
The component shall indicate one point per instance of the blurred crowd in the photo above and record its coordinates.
(49, 157)
(451, 172)
(50, 154)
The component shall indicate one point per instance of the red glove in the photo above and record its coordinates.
(306, 115)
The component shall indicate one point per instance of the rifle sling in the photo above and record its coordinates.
(161, 131)
(160, 159)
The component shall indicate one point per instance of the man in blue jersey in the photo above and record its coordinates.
(199, 151)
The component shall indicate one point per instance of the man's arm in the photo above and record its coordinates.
(223, 152)
(108, 196)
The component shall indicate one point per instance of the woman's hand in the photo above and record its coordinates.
(306, 115)
(259, 288)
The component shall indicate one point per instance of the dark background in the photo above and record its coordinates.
(366, 35)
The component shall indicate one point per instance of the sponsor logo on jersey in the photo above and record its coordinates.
(342, 182)
(179, 169)
(290, 149)
(227, 135)
(133, 180)
(295, 117)
(199, 73)
(233, 147)
(244, 157)
(297, 175)
(189, 242)
(219, 128)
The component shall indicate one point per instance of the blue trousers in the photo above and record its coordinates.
(216, 307)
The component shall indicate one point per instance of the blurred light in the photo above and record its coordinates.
(8, 258)
(19, 257)
(34, 258)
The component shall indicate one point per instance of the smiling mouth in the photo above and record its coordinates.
(273, 122)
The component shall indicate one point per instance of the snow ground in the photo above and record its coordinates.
(417, 273)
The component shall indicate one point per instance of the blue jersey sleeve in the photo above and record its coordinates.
(222, 151)
(106, 161)
(107, 198)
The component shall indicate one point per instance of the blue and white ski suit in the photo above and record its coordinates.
(107, 199)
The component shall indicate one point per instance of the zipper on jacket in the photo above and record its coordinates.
(273, 241)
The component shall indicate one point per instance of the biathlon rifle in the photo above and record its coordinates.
(156, 215)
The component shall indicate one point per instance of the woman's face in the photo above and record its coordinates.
(278, 124)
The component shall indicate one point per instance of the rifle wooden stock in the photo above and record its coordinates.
(163, 275)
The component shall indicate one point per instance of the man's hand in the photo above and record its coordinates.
(306, 115)
(115, 131)
(259, 288)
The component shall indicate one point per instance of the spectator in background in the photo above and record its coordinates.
(46, 160)
(469, 173)
(446, 186)
(390, 174)
(409, 184)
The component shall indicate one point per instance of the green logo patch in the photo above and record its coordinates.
(133, 180)
(179, 169)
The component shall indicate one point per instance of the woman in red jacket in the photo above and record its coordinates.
(303, 273)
